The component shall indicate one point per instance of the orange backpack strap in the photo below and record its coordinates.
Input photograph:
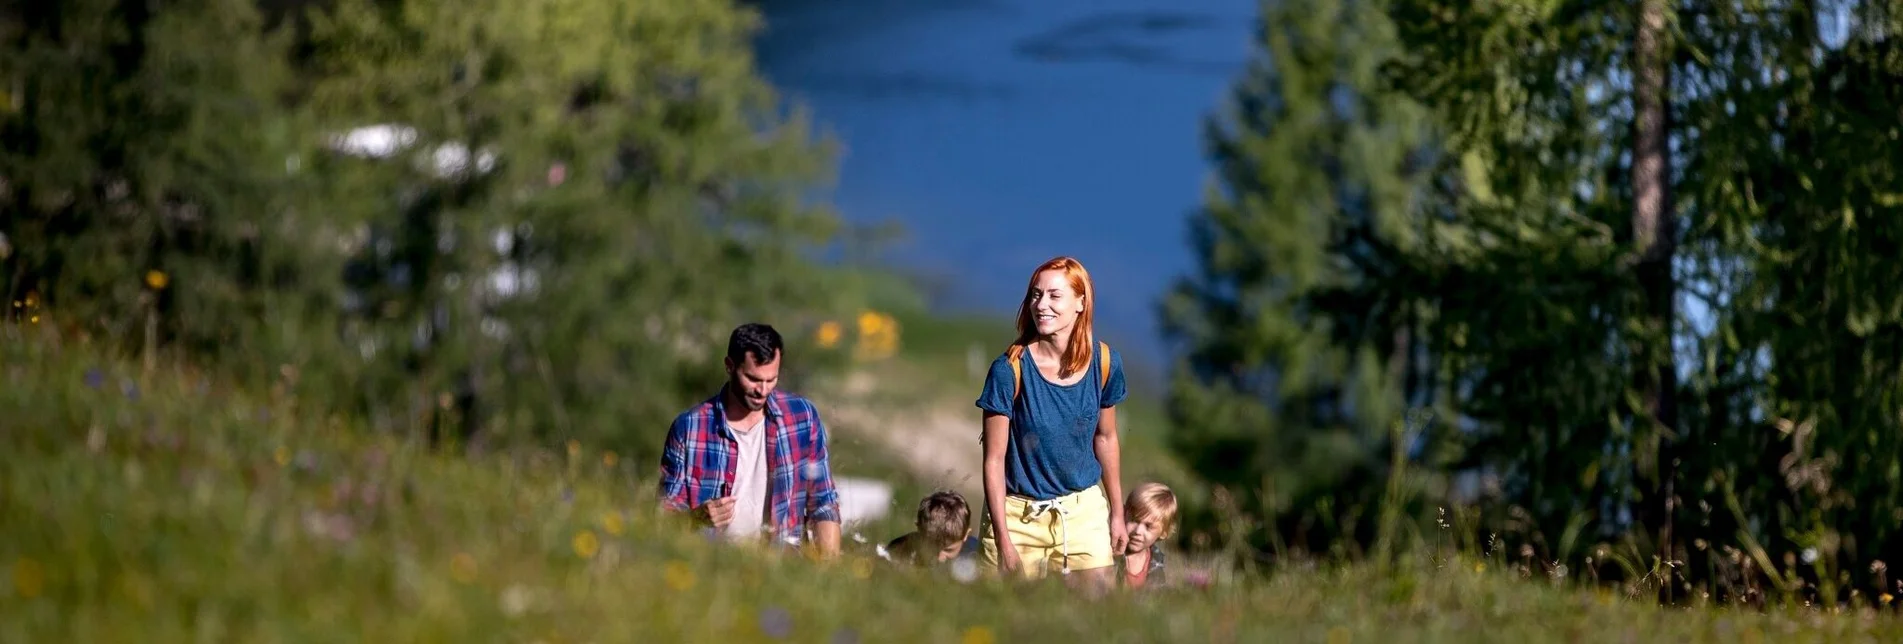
(1017, 369)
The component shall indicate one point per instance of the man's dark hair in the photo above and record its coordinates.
(759, 340)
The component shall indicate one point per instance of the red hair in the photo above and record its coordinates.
(1077, 355)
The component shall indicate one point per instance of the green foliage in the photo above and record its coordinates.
(1533, 328)
(195, 511)
(573, 203)
(1296, 320)
(133, 209)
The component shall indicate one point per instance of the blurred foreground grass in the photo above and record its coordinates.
(166, 507)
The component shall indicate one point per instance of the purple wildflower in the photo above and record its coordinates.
(776, 623)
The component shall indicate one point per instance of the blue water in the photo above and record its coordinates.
(1001, 133)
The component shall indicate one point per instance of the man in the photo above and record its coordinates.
(752, 460)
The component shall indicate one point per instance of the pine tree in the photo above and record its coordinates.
(1298, 325)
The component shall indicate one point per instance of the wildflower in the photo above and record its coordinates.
(608, 459)
(95, 378)
(462, 567)
(611, 521)
(678, 576)
(516, 600)
(282, 456)
(979, 635)
(28, 578)
(1885, 598)
(828, 335)
(965, 570)
(156, 279)
(574, 449)
(1480, 566)
(776, 623)
(586, 545)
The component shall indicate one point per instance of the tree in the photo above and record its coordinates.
(583, 198)
(134, 211)
(1299, 326)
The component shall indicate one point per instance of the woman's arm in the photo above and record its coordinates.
(997, 431)
(1110, 456)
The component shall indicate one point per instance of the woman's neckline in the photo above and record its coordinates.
(1032, 359)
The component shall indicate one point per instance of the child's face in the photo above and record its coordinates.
(949, 551)
(1143, 534)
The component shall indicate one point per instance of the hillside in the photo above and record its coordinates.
(168, 507)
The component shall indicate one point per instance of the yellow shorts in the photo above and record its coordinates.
(1068, 533)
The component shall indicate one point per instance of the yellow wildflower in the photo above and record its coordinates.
(462, 567)
(28, 578)
(870, 322)
(282, 456)
(156, 279)
(611, 521)
(586, 545)
(678, 576)
(608, 459)
(979, 635)
(828, 334)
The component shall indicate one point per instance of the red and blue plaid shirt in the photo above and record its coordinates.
(698, 464)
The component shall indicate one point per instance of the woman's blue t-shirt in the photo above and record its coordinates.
(1050, 453)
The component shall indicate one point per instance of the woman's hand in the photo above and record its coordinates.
(1008, 561)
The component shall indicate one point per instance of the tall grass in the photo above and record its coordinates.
(163, 506)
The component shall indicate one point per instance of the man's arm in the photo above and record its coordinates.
(822, 500)
(676, 488)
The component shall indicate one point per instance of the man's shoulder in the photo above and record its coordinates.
(794, 404)
(698, 415)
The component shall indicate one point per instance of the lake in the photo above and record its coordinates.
(1001, 133)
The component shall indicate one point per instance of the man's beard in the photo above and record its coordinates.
(753, 405)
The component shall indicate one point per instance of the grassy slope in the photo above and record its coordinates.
(166, 508)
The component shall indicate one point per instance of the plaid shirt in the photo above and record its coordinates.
(698, 464)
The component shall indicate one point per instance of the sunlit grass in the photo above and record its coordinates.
(168, 507)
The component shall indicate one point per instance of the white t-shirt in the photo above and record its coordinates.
(749, 482)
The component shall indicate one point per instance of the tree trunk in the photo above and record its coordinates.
(1655, 243)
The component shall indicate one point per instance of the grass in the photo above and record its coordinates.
(167, 507)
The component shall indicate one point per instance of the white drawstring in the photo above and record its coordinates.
(1037, 509)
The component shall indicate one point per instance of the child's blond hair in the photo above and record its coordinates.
(1152, 499)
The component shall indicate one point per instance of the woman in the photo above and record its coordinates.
(1053, 499)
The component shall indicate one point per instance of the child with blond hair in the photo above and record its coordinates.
(1150, 517)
